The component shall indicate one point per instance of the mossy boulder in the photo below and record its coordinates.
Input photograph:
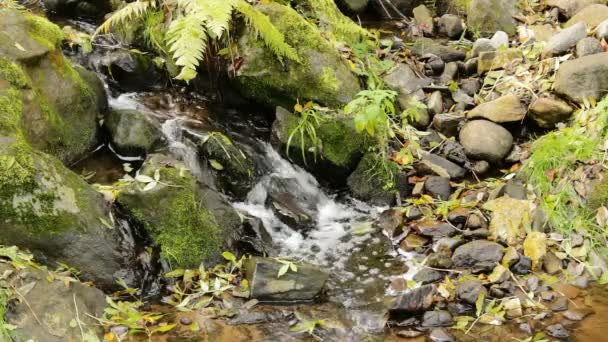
(131, 133)
(189, 222)
(339, 148)
(233, 169)
(323, 76)
(375, 180)
(60, 106)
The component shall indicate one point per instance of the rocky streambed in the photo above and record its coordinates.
(166, 211)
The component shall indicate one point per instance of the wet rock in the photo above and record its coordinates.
(438, 318)
(404, 80)
(470, 66)
(263, 78)
(423, 46)
(507, 108)
(390, 221)
(566, 39)
(440, 335)
(469, 290)
(557, 331)
(413, 242)
(495, 60)
(451, 25)
(435, 103)
(548, 296)
(522, 266)
(424, 19)
(477, 252)
(428, 276)
(265, 285)
(132, 134)
(78, 9)
(52, 302)
(577, 314)
(548, 111)
(511, 256)
(485, 140)
(489, 16)
(449, 73)
(438, 187)
(431, 164)
(288, 209)
(441, 259)
(416, 300)
(190, 222)
(413, 213)
(433, 64)
(500, 39)
(446, 244)
(432, 228)
(447, 124)
(583, 77)
(373, 188)
(482, 45)
(476, 234)
(588, 46)
(591, 15)
(342, 149)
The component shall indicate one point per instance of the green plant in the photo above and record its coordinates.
(287, 265)
(373, 110)
(307, 325)
(192, 25)
(306, 129)
(130, 315)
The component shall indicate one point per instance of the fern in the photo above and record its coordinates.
(131, 11)
(272, 37)
(187, 39)
(11, 4)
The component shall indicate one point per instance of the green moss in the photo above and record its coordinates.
(11, 110)
(44, 32)
(13, 74)
(331, 20)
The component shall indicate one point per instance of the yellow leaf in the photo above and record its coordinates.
(298, 108)
(109, 337)
(535, 247)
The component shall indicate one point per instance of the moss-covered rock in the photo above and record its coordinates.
(322, 76)
(234, 170)
(339, 149)
(131, 133)
(488, 16)
(188, 222)
(375, 180)
(60, 106)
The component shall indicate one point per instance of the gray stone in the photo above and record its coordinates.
(546, 112)
(500, 39)
(424, 19)
(507, 108)
(499, 59)
(557, 331)
(577, 314)
(470, 86)
(566, 39)
(303, 285)
(438, 318)
(485, 140)
(404, 80)
(451, 25)
(131, 132)
(440, 335)
(449, 73)
(432, 164)
(416, 300)
(432, 228)
(489, 16)
(602, 30)
(583, 77)
(435, 103)
(428, 276)
(482, 45)
(469, 290)
(423, 46)
(447, 124)
(372, 188)
(522, 266)
(568, 8)
(591, 15)
(438, 187)
(480, 167)
(588, 46)
(476, 252)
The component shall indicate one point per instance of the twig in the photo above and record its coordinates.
(78, 316)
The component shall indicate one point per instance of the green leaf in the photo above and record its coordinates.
(603, 279)
(479, 303)
(283, 270)
(229, 256)
(216, 165)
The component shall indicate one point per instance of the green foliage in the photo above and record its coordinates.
(74, 37)
(306, 129)
(193, 24)
(287, 266)
(130, 314)
(307, 325)
(373, 110)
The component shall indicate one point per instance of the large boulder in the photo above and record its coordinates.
(339, 148)
(188, 221)
(583, 77)
(489, 16)
(485, 140)
(322, 76)
(131, 133)
(44, 297)
(60, 106)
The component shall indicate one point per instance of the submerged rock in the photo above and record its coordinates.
(132, 134)
(485, 140)
(583, 77)
(322, 77)
(190, 223)
(305, 284)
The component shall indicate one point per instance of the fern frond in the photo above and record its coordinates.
(271, 36)
(187, 40)
(132, 10)
(216, 13)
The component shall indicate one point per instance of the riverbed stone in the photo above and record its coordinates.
(602, 30)
(432, 164)
(557, 331)
(499, 59)
(416, 300)
(441, 335)
(482, 45)
(323, 76)
(423, 46)
(131, 133)
(485, 140)
(428, 276)
(489, 16)
(434, 229)
(510, 218)
(437, 318)
(566, 39)
(265, 284)
(438, 187)
(591, 15)
(448, 123)
(477, 252)
(470, 289)
(404, 80)
(500, 39)
(583, 77)
(507, 108)
(546, 112)
(588, 46)
(451, 25)
(424, 19)
(578, 314)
